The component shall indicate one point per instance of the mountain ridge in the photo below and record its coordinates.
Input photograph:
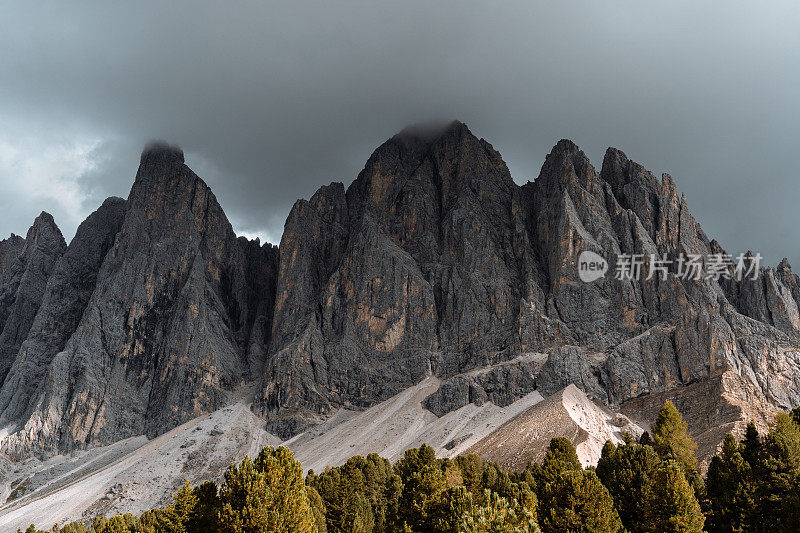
(432, 262)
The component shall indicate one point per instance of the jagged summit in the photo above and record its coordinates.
(178, 316)
(44, 223)
(565, 162)
(112, 200)
(565, 146)
(432, 262)
(24, 278)
(434, 232)
(167, 190)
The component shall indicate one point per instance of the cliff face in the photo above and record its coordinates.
(68, 290)
(24, 281)
(159, 301)
(10, 249)
(432, 262)
(420, 267)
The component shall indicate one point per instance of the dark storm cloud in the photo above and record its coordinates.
(271, 100)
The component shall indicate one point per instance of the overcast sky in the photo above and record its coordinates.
(270, 101)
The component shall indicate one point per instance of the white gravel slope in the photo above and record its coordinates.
(567, 413)
(140, 474)
(137, 474)
(400, 423)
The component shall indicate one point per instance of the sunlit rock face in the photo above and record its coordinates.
(432, 262)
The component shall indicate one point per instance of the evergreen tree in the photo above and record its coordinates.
(471, 467)
(796, 415)
(421, 496)
(206, 515)
(74, 527)
(671, 441)
(731, 490)
(446, 512)
(498, 515)
(317, 508)
(373, 478)
(627, 471)
(671, 437)
(576, 500)
(751, 445)
(671, 506)
(561, 452)
(358, 516)
(778, 477)
(560, 457)
(414, 460)
(175, 518)
(267, 494)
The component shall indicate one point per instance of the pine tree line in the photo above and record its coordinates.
(649, 485)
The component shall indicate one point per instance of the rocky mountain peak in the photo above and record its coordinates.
(440, 164)
(625, 175)
(64, 299)
(180, 313)
(564, 164)
(23, 285)
(428, 133)
(162, 177)
(112, 200)
(10, 249)
(45, 228)
(433, 262)
(329, 201)
(167, 192)
(161, 152)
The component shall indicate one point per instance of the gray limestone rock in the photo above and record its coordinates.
(432, 262)
(422, 266)
(500, 384)
(68, 291)
(493, 267)
(25, 284)
(168, 328)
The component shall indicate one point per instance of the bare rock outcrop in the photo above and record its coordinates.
(432, 262)
(501, 384)
(10, 249)
(420, 267)
(25, 281)
(68, 291)
(169, 327)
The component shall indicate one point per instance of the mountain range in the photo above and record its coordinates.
(432, 264)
